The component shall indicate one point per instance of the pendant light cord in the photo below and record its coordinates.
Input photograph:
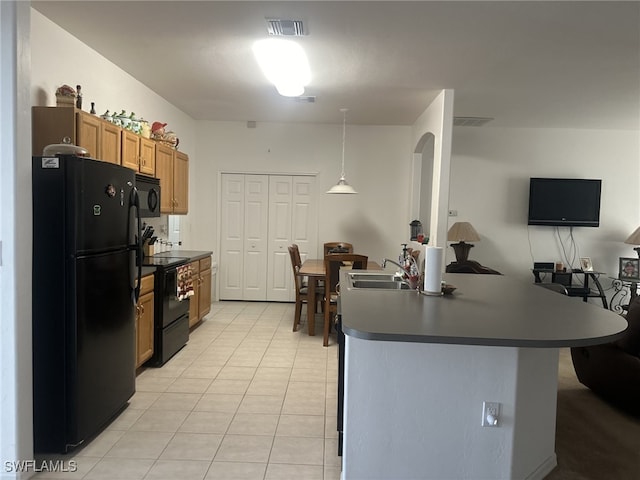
(344, 135)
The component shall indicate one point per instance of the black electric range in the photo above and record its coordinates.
(171, 316)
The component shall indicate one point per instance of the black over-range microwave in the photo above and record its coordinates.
(149, 193)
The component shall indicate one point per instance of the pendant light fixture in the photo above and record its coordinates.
(342, 186)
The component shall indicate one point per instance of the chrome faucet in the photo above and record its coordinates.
(385, 260)
(413, 265)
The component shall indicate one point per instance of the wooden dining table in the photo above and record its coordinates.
(314, 269)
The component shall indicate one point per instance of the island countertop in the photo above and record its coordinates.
(492, 310)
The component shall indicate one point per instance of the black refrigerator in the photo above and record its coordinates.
(85, 229)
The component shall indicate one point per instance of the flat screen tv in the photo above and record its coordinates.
(564, 202)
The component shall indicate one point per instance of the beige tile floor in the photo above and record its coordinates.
(247, 398)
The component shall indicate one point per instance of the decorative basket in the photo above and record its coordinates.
(65, 101)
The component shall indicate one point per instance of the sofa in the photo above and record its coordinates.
(612, 370)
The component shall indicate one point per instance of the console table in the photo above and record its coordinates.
(585, 291)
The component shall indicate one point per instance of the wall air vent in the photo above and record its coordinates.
(470, 121)
(285, 28)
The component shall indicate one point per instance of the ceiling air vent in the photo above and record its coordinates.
(305, 99)
(286, 28)
(470, 121)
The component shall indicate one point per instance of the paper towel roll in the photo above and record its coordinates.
(433, 270)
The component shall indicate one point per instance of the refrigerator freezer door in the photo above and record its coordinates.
(100, 200)
(101, 343)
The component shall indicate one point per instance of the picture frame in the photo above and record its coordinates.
(629, 268)
(585, 264)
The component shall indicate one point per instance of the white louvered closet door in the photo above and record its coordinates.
(280, 277)
(261, 216)
(230, 277)
(255, 236)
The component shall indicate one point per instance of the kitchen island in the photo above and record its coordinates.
(418, 369)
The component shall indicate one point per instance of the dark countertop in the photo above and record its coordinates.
(493, 310)
(147, 271)
(190, 254)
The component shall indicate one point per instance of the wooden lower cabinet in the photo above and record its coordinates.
(144, 321)
(200, 302)
(204, 303)
(194, 300)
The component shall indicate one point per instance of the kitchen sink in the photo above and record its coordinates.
(375, 277)
(383, 284)
(385, 281)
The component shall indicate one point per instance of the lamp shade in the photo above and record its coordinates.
(462, 232)
(634, 238)
(342, 186)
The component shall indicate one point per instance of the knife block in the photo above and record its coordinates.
(149, 250)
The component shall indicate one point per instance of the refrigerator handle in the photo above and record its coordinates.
(137, 244)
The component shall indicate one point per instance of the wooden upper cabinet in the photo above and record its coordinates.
(89, 133)
(99, 137)
(138, 153)
(130, 150)
(111, 143)
(181, 183)
(172, 168)
(164, 172)
(147, 156)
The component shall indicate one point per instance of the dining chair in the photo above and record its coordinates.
(339, 247)
(300, 285)
(332, 264)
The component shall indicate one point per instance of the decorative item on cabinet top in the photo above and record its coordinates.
(65, 96)
(159, 134)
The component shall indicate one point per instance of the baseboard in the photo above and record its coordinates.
(544, 469)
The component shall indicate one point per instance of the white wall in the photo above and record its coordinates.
(59, 58)
(490, 170)
(436, 120)
(16, 441)
(377, 164)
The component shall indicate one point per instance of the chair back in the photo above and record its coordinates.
(332, 264)
(294, 254)
(337, 247)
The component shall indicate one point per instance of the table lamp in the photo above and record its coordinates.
(634, 239)
(462, 232)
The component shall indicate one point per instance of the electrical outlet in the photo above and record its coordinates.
(490, 414)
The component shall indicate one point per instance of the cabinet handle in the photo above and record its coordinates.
(141, 310)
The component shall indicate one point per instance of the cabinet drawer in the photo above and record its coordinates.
(146, 284)
(195, 268)
(205, 263)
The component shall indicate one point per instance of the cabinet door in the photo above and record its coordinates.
(50, 125)
(130, 150)
(204, 304)
(180, 183)
(110, 144)
(89, 133)
(147, 156)
(145, 328)
(164, 172)
(194, 312)
(279, 278)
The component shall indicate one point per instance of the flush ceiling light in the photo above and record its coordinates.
(284, 63)
(342, 186)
